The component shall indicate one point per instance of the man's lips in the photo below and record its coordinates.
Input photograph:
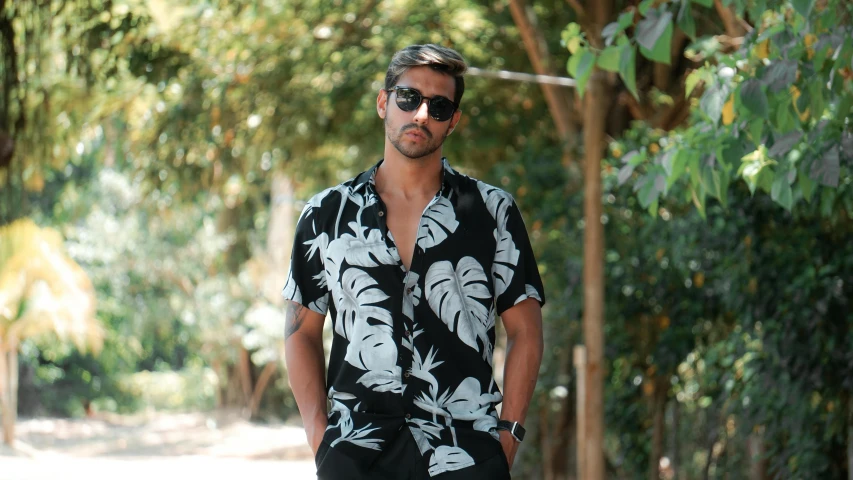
(415, 133)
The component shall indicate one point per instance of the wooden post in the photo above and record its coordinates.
(850, 446)
(596, 104)
(580, 371)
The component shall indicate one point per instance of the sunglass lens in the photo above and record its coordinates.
(408, 99)
(441, 108)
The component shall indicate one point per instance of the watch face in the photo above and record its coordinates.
(518, 431)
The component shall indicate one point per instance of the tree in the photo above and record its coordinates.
(42, 292)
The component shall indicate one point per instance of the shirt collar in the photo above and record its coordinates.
(450, 178)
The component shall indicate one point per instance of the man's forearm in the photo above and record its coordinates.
(306, 371)
(521, 369)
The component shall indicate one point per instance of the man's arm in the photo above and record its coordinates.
(306, 368)
(523, 325)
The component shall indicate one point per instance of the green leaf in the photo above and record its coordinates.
(780, 75)
(756, 128)
(713, 183)
(660, 52)
(628, 70)
(712, 102)
(803, 7)
(817, 103)
(826, 168)
(608, 59)
(704, 3)
(624, 174)
(698, 196)
(782, 144)
(686, 22)
(693, 79)
(644, 6)
(785, 121)
(753, 98)
(574, 61)
(781, 192)
(807, 187)
(584, 71)
(652, 28)
(609, 32)
(650, 187)
(679, 165)
(626, 19)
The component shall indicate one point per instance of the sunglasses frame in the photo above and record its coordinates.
(421, 101)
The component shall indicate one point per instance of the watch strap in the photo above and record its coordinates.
(514, 428)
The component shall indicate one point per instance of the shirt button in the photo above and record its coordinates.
(407, 374)
(409, 290)
(408, 416)
(381, 213)
(407, 333)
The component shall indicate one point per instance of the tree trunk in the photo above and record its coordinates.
(279, 237)
(755, 450)
(658, 402)
(558, 99)
(260, 388)
(850, 445)
(596, 106)
(8, 392)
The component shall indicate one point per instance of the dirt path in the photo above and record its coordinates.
(160, 447)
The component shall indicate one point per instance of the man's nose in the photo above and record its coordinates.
(422, 112)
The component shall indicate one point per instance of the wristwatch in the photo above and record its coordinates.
(514, 428)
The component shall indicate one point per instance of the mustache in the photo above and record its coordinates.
(414, 126)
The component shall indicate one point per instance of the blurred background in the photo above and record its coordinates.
(155, 154)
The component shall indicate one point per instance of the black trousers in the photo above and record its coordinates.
(401, 460)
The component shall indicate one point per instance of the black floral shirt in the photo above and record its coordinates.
(413, 347)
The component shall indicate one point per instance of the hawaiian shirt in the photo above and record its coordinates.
(413, 347)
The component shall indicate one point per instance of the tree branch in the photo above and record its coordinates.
(537, 51)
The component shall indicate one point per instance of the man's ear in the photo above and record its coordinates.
(382, 103)
(453, 121)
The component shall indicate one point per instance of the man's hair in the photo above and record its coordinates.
(441, 59)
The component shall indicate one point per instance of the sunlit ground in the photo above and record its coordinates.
(176, 446)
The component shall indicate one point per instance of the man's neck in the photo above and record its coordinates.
(409, 177)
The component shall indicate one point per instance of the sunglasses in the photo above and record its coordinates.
(438, 107)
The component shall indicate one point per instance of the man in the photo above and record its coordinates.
(413, 260)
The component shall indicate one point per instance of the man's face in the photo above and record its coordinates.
(415, 134)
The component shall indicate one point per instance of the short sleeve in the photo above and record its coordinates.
(306, 282)
(515, 274)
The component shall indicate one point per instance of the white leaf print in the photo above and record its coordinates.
(488, 424)
(356, 437)
(321, 280)
(340, 396)
(354, 297)
(321, 305)
(421, 368)
(529, 292)
(421, 439)
(437, 222)
(365, 250)
(411, 301)
(431, 429)
(372, 348)
(497, 201)
(468, 402)
(454, 296)
(383, 380)
(506, 259)
(448, 458)
(291, 289)
(319, 243)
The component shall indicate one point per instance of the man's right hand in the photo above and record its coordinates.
(306, 368)
(315, 438)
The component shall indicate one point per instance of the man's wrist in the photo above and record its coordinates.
(515, 429)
